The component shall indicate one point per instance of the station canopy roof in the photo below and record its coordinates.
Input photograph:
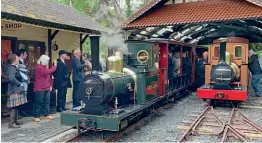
(197, 22)
(49, 14)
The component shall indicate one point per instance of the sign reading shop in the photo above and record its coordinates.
(11, 26)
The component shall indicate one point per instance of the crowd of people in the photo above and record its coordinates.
(18, 79)
(174, 65)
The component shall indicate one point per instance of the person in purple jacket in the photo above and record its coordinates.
(42, 87)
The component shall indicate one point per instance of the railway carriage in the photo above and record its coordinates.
(132, 87)
(226, 76)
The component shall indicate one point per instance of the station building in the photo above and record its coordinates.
(43, 27)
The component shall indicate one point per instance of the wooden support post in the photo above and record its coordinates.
(82, 41)
(50, 39)
(81, 46)
(49, 43)
(193, 56)
(181, 61)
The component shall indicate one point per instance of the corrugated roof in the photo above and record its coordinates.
(195, 12)
(49, 12)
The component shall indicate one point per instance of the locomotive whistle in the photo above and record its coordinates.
(116, 102)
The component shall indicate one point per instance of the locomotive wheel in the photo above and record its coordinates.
(235, 104)
(213, 103)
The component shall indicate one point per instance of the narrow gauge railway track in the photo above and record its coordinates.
(210, 122)
(114, 136)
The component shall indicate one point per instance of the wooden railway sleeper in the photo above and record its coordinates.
(236, 134)
(192, 125)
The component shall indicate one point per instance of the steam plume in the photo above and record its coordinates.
(114, 38)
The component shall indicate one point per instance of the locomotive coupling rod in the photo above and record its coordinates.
(193, 125)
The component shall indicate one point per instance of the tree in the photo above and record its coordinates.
(128, 9)
(110, 13)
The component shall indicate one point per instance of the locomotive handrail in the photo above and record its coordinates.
(139, 65)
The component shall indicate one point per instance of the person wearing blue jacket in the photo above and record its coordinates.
(256, 71)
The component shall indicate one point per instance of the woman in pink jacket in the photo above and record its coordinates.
(42, 87)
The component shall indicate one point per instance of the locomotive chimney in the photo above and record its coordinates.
(222, 51)
(95, 52)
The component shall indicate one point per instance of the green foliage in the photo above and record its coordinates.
(254, 47)
(128, 10)
(91, 7)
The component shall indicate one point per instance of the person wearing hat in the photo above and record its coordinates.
(61, 81)
(256, 71)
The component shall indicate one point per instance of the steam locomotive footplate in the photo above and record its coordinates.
(118, 111)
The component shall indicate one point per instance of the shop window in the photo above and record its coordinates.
(238, 51)
(216, 52)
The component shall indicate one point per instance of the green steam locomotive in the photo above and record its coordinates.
(116, 98)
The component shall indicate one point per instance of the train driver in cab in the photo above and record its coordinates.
(200, 70)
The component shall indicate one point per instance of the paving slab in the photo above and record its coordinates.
(32, 131)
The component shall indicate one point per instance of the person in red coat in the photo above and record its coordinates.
(42, 87)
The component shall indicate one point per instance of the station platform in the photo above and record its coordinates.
(32, 131)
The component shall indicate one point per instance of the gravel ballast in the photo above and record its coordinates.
(164, 127)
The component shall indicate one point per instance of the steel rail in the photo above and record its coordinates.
(135, 125)
(228, 126)
(225, 127)
(250, 122)
(194, 124)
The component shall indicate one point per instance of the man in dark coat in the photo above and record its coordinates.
(200, 70)
(255, 69)
(78, 71)
(62, 81)
(171, 66)
(22, 54)
(187, 66)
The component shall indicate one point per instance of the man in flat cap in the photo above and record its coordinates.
(62, 80)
